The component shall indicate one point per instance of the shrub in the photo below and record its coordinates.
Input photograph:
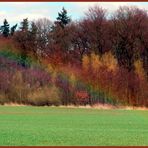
(45, 96)
(82, 97)
(18, 89)
(2, 98)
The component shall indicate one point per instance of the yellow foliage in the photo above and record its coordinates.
(50, 68)
(72, 80)
(109, 61)
(85, 63)
(95, 62)
(19, 89)
(45, 96)
(139, 68)
(54, 75)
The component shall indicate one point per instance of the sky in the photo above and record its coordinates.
(14, 12)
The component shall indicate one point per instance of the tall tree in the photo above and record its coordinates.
(5, 28)
(13, 28)
(61, 36)
(32, 39)
(62, 18)
(80, 40)
(125, 40)
(43, 27)
(24, 25)
(22, 38)
(142, 33)
(95, 24)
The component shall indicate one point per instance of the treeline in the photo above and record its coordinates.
(109, 52)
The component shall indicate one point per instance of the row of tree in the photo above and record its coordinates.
(107, 52)
(5, 29)
(125, 33)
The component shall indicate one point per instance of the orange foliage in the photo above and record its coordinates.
(85, 63)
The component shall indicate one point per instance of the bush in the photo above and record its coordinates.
(45, 96)
(2, 98)
(18, 90)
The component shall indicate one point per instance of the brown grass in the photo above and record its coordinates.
(14, 104)
(97, 106)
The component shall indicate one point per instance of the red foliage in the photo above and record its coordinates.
(82, 97)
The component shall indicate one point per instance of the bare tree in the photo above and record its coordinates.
(95, 23)
(43, 29)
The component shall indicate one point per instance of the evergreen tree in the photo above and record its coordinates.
(62, 18)
(13, 28)
(33, 29)
(23, 39)
(33, 38)
(24, 25)
(5, 29)
(33, 32)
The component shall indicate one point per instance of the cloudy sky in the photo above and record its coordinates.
(14, 12)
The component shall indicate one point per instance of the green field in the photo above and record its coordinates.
(64, 126)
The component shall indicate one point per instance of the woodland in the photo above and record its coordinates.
(101, 58)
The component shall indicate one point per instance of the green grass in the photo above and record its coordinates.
(64, 126)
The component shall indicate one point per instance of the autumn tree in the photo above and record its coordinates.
(142, 35)
(43, 40)
(60, 34)
(95, 24)
(25, 40)
(21, 40)
(79, 40)
(18, 88)
(125, 39)
(95, 63)
(32, 40)
(109, 53)
(86, 63)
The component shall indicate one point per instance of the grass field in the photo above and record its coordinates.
(26, 125)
